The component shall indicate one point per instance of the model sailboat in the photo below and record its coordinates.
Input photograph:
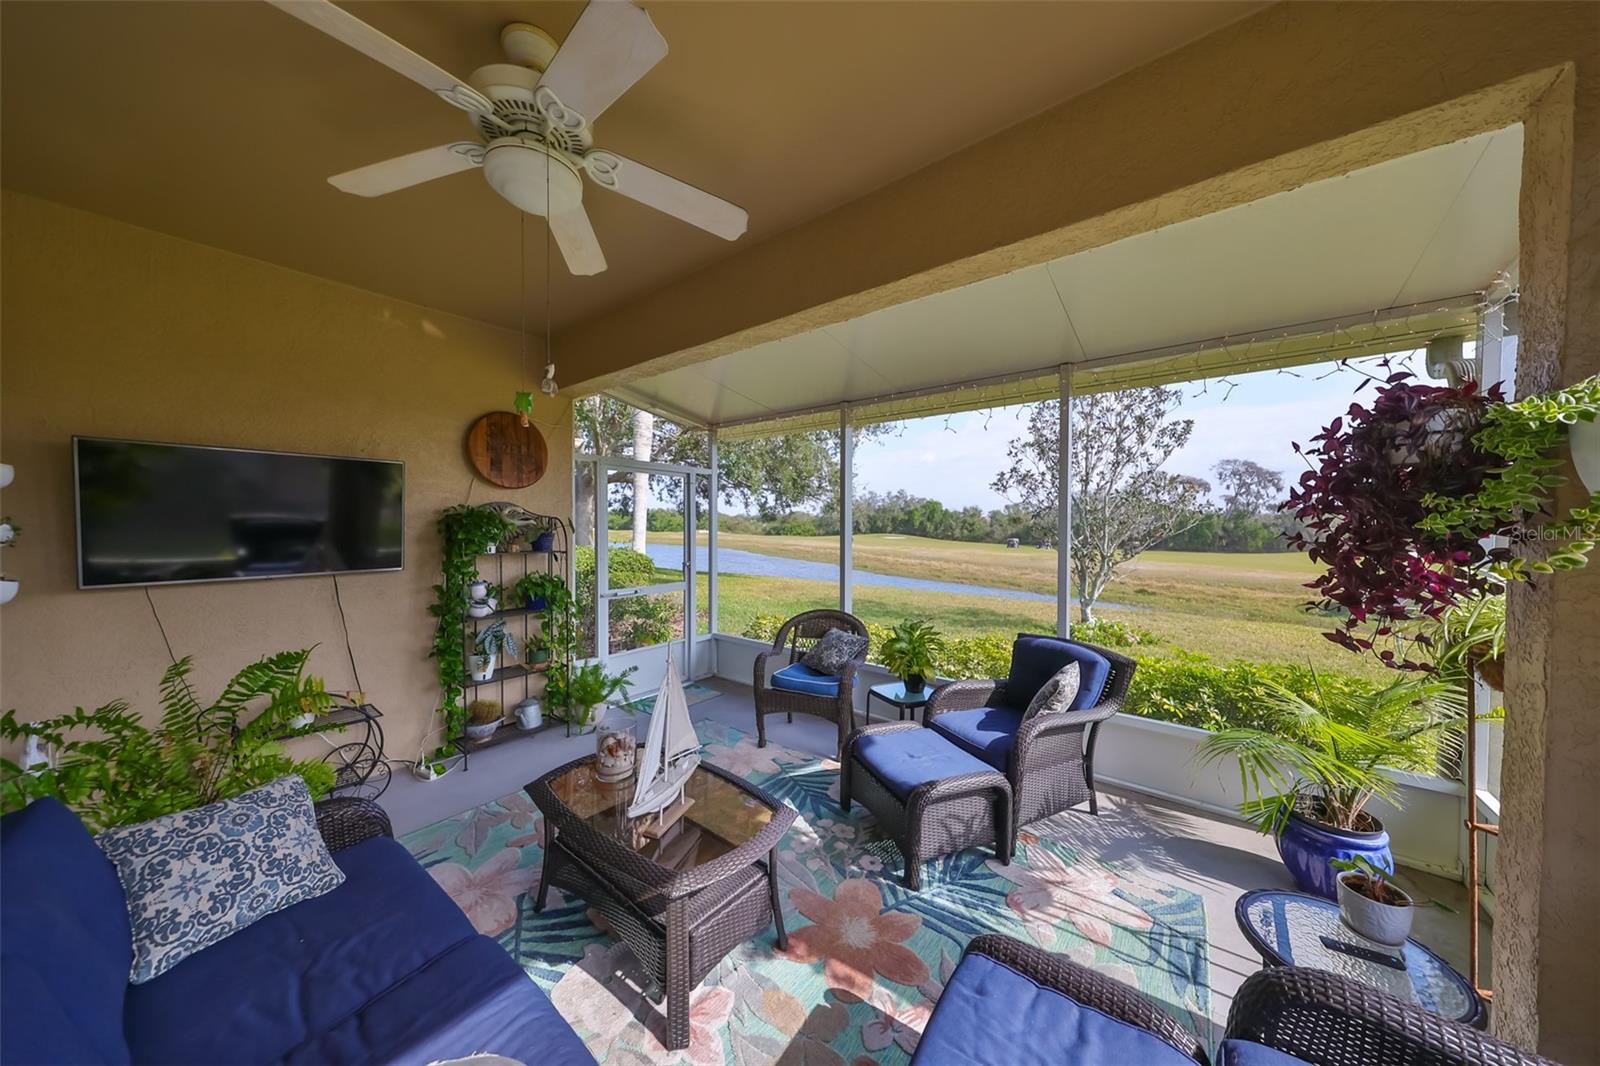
(671, 753)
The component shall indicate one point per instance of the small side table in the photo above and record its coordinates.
(1294, 929)
(895, 695)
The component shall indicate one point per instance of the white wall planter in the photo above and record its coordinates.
(1584, 439)
(6, 474)
(8, 590)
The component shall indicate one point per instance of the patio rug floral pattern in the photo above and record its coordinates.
(867, 958)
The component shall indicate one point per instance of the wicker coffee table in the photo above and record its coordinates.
(680, 902)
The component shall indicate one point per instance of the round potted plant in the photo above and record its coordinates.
(1310, 774)
(585, 688)
(1371, 903)
(483, 718)
(909, 653)
(488, 645)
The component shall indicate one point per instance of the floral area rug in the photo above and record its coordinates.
(867, 958)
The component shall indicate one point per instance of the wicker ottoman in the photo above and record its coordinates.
(931, 797)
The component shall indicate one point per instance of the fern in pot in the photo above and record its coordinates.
(909, 652)
(1308, 777)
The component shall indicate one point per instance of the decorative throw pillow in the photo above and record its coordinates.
(1057, 693)
(837, 647)
(196, 877)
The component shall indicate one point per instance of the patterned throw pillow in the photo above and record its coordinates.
(1057, 693)
(837, 647)
(196, 877)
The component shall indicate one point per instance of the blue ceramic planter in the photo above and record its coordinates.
(536, 603)
(1307, 847)
(544, 541)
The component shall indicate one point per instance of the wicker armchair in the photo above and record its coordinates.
(1051, 764)
(794, 639)
(1330, 1020)
(346, 821)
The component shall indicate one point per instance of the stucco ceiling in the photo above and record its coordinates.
(220, 122)
(1403, 237)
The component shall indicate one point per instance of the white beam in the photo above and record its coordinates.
(1064, 507)
(715, 490)
(846, 511)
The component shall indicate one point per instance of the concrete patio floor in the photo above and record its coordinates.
(1215, 857)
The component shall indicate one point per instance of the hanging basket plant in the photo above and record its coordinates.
(1402, 493)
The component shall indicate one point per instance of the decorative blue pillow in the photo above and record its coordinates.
(836, 648)
(196, 877)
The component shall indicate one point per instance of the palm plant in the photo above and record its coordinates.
(1323, 754)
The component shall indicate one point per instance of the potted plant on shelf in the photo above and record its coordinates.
(1308, 777)
(490, 642)
(483, 599)
(542, 592)
(1372, 904)
(483, 718)
(584, 688)
(465, 531)
(909, 653)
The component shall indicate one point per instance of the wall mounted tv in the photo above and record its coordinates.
(153, 514)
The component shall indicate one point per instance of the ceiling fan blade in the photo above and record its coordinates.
(343, 26)
(575, 237)
(676, 198)
(376, 179)
(612, 45)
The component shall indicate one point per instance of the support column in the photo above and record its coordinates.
(714, 491)
(602, 562)
(847, 494)
(1064, 507)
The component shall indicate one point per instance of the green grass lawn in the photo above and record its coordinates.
(1226, 605)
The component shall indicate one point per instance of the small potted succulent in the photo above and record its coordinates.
(1372, 904)
(909, 653)
(483, 718)
(488, 645)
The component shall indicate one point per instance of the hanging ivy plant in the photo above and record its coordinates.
(465, 532)
(1525, 438)
(1362, 509)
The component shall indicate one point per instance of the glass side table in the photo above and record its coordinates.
(895, 695)
(1294, 929)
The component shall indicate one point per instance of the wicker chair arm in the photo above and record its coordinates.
(1330, 1020)
(963, 696)
(761, 666)
(346, 821)
(1091, 989)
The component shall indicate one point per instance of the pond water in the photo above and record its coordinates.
(735, 561)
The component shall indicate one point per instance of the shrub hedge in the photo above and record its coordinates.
(1184, 687)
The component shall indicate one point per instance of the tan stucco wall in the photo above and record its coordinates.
(110, 330)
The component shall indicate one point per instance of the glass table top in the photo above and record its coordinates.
(895, 692)
(1304, 930)
(721, 817)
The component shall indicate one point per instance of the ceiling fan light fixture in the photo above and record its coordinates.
(531, 178)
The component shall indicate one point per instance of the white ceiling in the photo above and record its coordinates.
(1438, 224)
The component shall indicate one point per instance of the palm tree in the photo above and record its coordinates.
(1324, 753)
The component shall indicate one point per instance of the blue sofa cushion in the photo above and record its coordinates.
(1246, 1053)
(1035, 660)
(906, 759)
(798, 677)
(991, 1014)
(473, 998)
(296, 974)
(65, 945)
(990, 733)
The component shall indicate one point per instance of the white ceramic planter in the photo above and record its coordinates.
(6, 533)
(8, 590)
(482, 667)
(1584, 439)
(482, 608)
(6, 474)
(1383, 922)
(482, 730)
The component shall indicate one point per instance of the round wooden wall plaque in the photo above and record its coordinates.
(504, 452)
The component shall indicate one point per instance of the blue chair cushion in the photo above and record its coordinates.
(990, 1014)
(798, 677)
(906, 759)
(1035, 660)
(65, 945)
(1247, 1053)
(990, 733)
(315, 980)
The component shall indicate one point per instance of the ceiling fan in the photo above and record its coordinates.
(534, 119)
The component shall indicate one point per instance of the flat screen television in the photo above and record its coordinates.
(153, 513)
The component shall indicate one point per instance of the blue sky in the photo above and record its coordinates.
(954, 460)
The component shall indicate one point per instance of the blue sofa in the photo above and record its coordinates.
(1012, 1004)
(385, 968)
